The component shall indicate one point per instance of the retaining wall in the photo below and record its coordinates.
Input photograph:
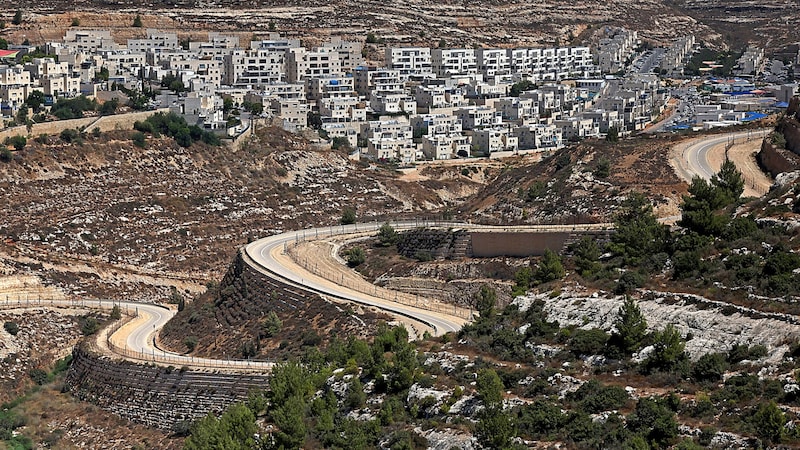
(155, 396)
(104, 123)
(452, 244)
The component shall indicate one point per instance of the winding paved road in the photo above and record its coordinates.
(695, 155)
(136, 339)
(264, 255)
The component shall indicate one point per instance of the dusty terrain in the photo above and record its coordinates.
(109, 220)
(425, 23)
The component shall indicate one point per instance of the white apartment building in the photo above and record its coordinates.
(155, 41)
(446, 146)
(478, 116)
(202, 109)
(330, 87)
(294, 113)
(577, 128)
(481, 89)
(448, 62)
(549, 104)
(370, 79)
(342, 109)
(540, 137)
(303, 64)
(443, 138)
(348, 131)
(87, 41)
(409, 61)
(391, 140)
(207, 70)
(349, 52)
(217, 46)
(515, 109)
(122, 61)
(604, 120)
(491, 140)
(255, 68)
(389, 103)
(615, 50)
(15, 86)
(431, 97)
(493, 61)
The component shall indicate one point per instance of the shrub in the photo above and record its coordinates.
(139, 139)
(39, 376)
(628, 282)
(387, 235)
(355, 256)
(11, 327)
(70, 135)
(348, 216)
(594, 397)
(271, 325)
(89, 326)
(18, 142)
(710, 367)
(5, 154)
(603, 168)
(190, 343)
(588, 342)
(116, 313)
(550, 268)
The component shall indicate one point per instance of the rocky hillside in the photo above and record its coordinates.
(252, 316)
(581, 184)
(109, 219)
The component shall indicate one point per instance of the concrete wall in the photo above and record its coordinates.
(488, 245)
(105, 123)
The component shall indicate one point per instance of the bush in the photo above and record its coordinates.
(550, 268)
(89, 326)
(593, 397)
(5, 154)
(355, 256)
(190, 343)
(139, 139)
(116, 313)
(710, 367)
(348, 216)
(71, 135)
(18, 142)
(588, 342)
(11, 327)
(39, 376)
(628, 282)
(271, 325)
(387, 235)
(603, 168)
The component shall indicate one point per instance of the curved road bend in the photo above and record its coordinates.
(140, 343)
(263, 254)
(695, 155)
(138, 336)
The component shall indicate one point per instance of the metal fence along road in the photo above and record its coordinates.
(147, 352)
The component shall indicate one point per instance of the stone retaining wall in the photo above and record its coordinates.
(775, 160)
(155, 396)
(104, 123)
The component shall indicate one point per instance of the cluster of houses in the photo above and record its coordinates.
(421, 103)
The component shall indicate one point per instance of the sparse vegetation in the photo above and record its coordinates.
(11, 328)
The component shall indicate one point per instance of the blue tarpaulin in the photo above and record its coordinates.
(753, 116)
